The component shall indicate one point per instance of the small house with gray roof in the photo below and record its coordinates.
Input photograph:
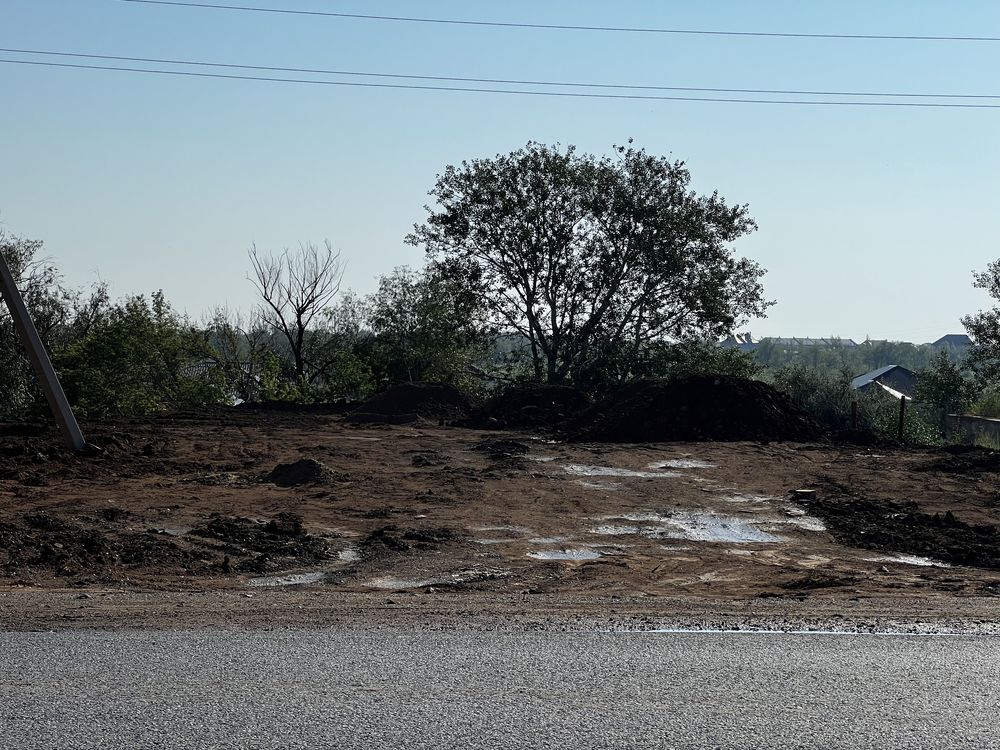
(895, 380)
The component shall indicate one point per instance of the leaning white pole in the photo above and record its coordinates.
(39, 358)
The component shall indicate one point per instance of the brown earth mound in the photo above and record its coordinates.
(701, 407)
(528, 405)
(409, 402)
(304, 471)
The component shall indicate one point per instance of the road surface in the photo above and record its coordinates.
(352, 688)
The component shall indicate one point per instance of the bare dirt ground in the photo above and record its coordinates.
(266, 517)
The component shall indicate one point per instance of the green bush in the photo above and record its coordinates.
(825, 394)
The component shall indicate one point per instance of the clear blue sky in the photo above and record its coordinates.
(871, 219)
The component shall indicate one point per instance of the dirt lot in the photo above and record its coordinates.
(234, 502)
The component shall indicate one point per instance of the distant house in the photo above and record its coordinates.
(953, 341)
(895, 380)
(794, 342)
(745, 342)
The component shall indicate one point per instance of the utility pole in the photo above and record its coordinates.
(40, 361)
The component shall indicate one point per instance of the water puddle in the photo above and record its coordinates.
(650, 532)
(692, 526)
(699, 526)
(565, 554)
(681, 463)
(585, 470)
(924, 562)
(350, 554)
(806, 523)
(288, 579)
(493, 541)
(542, 459)
(548, 539)
(752, 499)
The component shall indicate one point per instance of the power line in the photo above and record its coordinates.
(519, 92)
(568, 27)
(505, 81)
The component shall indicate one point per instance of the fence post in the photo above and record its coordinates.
(902, 416)
(40, 361)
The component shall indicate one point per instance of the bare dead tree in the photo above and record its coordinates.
(295, 288)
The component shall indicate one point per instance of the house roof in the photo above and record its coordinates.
(862, 380)
(953, 339)
(796, 341)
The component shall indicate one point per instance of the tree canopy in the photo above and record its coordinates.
(984, 327)
(581, 254)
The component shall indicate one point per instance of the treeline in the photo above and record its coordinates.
(543, 264)
(861, 358)
(308, 340)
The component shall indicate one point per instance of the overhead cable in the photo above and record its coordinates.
(499, 81)
(517, 92)
(568, 27)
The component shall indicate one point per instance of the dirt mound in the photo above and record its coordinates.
(965, 459)
(528, 405)
(701, 407)
(410, 402)
(281, 538)
(42, 541)
(304, 471)
(902, 527)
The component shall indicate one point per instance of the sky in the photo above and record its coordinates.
(872, 219)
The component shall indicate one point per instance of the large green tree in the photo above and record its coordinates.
(426, 326)
(580, 254)
(984, 327)
(138, 356)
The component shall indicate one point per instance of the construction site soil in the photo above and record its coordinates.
(263, 508)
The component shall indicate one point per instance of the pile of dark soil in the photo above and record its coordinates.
(965, 459)
(410, 402)
(390, 539)
(304, 471)
(43, 541)
(281, 537)
(902, 527)
(700, 407)
(532, 405)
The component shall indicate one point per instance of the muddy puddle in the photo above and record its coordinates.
(689, 525)
(923, 562)
(680, 463)
(287, 579)
(450, 579)
(586, 470)
(565, 554)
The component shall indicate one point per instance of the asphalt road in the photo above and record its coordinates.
(420, 689)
